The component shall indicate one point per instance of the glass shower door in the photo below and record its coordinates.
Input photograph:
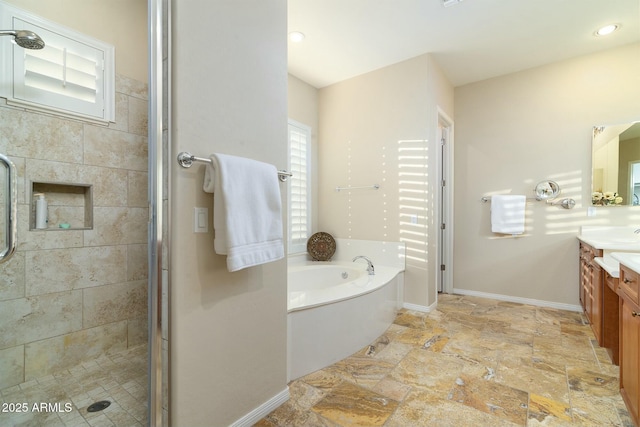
(8, 206)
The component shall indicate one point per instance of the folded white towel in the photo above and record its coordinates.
(507, 214)
(247, 210)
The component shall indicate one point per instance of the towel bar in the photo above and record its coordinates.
(565, 203)
(486, 199)
(374, 187)
(186, 159)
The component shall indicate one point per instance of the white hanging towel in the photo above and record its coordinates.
(507, 214)
(247, 210)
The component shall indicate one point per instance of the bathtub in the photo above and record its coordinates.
(336, 309)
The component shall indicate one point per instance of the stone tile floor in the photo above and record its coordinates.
(472, 362)
(120, 378)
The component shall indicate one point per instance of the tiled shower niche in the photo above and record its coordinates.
(69, 206)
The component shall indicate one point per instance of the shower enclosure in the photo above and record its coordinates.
(79, 304)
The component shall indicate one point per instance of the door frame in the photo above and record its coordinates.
(444, 282)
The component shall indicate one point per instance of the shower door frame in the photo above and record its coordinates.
(158, 12)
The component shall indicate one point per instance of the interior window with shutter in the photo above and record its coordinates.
(299, 186)
(74, 75)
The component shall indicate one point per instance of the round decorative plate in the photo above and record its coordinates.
(321, 246)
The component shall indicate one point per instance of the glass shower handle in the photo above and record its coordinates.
(9, 209)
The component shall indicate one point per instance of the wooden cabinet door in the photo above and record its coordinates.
(629, 344)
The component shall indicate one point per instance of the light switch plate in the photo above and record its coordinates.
(591, 211)
(200, 220)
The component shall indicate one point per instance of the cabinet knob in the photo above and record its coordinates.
(635, 314)
(627, 280)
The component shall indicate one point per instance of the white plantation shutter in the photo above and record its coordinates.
(299, 186)
(73, 75)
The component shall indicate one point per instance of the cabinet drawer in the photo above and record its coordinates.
(628, 283)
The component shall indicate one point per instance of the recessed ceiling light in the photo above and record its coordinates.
(296, 36)
(607, 29)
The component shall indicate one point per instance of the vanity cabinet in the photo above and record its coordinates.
(629, 341)
(591, 283)
(611, 317)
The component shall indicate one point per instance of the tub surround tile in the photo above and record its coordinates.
(33, 240)
(122, 113)
(137, 190)
(11, 366)
(112, 148)
(76, 268)
(117, 226)
(12, 277)
(524, 381)
(66, 351)
(138, 117)
(109, 303)
(21, 186)
(131, 87)
(109, 184)
(39, 317)
(137, 262)
(39, 136)
(45, 282)
(81, 386)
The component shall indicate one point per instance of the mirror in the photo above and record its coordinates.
(616, 165)
(547, 190)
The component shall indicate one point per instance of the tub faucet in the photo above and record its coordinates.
(370, 268)
(637, 231)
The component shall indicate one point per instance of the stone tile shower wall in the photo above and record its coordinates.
(71, 295)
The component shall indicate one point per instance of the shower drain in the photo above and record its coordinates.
(98, 406)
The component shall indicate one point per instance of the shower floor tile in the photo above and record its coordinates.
(62, 399)
(471, 362)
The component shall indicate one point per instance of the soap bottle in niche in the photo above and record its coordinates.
(41, 211)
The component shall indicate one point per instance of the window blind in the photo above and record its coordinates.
(299, 187)
(72, 76)
(66, 74)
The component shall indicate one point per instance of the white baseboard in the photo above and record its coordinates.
(530, 301)
(263, 410)
(422, 308)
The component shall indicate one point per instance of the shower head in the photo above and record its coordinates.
(24, 38)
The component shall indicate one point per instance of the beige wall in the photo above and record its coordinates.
(368, 126)
(516, 130)
(72, 295)
(122, 23)
(228, 330)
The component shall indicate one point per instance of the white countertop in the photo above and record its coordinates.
(631, 260)
(611, 238)
(609, 264)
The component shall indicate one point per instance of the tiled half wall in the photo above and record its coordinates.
(70, 295)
